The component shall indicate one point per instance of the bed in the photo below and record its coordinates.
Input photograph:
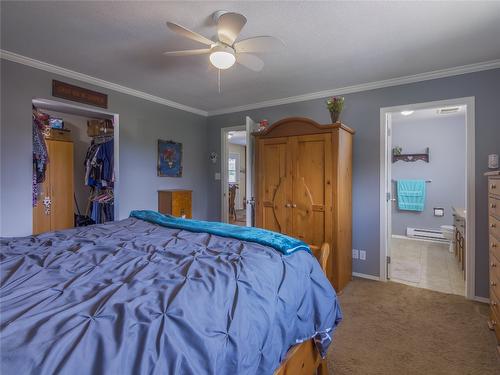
(137, 297)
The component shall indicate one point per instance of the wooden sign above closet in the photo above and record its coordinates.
(79, 94)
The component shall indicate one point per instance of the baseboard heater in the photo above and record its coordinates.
(429, 234)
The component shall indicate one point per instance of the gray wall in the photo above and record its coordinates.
(362, 112)
(141, 124)
(445, 137)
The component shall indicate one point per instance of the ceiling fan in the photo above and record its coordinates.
(224, 52)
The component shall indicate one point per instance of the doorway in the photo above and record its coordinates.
(237, 161)
(427, 196)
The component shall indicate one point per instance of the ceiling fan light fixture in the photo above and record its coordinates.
(222, 57)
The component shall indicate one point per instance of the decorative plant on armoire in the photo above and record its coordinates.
(335, 104)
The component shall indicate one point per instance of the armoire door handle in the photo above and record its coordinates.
(288, 205)
(294, 205)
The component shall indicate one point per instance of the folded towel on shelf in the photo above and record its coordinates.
(411, 195)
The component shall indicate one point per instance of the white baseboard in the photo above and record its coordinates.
(365, 276)
(419, 239)
(481, 299)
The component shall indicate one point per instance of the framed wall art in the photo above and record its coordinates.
(169, 158)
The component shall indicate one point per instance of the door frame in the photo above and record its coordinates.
(385, 160)
(73, 109)
(224, 192)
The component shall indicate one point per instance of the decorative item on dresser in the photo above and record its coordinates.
(494, 233)
(303, 187)
(175, 202)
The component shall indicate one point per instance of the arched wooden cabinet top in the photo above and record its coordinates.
(291, 126)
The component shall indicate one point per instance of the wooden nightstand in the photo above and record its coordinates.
(175, 202)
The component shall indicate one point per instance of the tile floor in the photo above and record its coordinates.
(427, 265)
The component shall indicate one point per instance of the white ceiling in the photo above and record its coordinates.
(329, 44)
(425, 114)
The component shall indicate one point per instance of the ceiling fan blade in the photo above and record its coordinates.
(259, 44)
(251, 62)
(188, 52)
(181, 30)
(229, 26)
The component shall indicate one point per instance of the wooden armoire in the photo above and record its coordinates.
(54, 208)
(303, 187)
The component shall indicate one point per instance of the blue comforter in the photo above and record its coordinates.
(132, 297)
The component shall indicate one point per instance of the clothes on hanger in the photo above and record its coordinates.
(99, 162)
(40, 125)
(99, 175)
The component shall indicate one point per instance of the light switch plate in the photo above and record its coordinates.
(217, 176)
(362, 254)
(355, 254)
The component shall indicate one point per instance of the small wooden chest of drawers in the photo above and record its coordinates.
(175, 202)
(494, 245)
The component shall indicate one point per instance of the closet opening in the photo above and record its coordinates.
(427, 202)
(75, 166)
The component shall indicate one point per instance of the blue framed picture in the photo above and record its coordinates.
(169, 158)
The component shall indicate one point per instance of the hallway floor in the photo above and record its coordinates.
(240, 218)
(425, 264)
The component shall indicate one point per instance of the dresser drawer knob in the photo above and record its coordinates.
(493, 264)
(493, 283)
(493, 244)
(493, 225)
(493, 186)
(493, 303)
(493, 205)
(493, 323)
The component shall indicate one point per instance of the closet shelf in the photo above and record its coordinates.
(412, 157)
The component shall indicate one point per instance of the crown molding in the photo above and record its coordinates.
(443, 73)
(14, 57)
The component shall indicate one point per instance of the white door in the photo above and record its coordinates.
(390, 193)
(251, 126)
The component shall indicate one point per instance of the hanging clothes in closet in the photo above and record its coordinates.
(40, 126)
(99, 176)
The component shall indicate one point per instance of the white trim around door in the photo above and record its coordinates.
(224, 216)
(385, 154)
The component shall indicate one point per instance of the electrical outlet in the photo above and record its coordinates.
(362, 254)
(355, 254)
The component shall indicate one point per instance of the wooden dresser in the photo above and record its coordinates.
(175, 202)
(303, 183)
(494, 240)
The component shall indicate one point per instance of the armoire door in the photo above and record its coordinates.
(312, 188)
(61, 184)
(274, 185)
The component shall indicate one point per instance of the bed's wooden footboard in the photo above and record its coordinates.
(304, 359)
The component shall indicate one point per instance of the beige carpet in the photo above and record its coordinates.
(391, 328)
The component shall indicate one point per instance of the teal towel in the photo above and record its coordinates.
(411, 195)
(285, 244)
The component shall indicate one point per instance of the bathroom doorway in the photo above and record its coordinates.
(427, 180)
